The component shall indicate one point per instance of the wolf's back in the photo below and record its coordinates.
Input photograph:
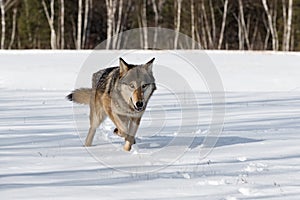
(99, 83)
(100, 78)
(82, 95)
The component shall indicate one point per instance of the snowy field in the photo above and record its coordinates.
(257, 156)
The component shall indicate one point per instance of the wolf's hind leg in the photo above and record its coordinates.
(95, 120)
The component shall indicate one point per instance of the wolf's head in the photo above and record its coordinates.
(136, 84)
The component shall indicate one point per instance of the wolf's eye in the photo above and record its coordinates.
(144, 86)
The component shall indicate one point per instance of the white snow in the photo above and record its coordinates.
(257, 156)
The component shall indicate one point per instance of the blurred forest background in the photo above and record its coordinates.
(214, 24)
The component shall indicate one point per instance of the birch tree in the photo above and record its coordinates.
(244, 30)
(271, 25)
(240, 32)
(2, 7)
(144, 24)
(110, 9)
(287, 24)
(223, 24)
(156, 17)
(62, 24)
(85, 22)
(207, 27)
(213, 21)
(79, 25)
(50, 18)
(113, 22)
(203, 32)
(117, 27)
(14, 24)
(177, 23)
(284, 17)
(157, 7)
(193, 23)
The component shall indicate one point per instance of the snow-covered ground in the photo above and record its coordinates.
(257, 156)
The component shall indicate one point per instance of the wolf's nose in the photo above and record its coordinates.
(139, 104)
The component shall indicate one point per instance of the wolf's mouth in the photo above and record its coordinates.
(138, 109)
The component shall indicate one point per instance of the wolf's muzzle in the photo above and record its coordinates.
(139, 106)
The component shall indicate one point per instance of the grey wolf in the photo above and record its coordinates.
(121, 93)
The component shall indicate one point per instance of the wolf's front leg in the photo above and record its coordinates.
(121, 125)
(130, 138)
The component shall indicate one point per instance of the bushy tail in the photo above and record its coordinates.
(82, 95)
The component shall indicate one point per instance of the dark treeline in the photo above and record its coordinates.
(214, 24)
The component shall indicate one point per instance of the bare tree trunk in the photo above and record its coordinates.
(110, 9)
(197, 24)
(50, 19)
(270, 22)
(177, 23)
(267, 39)
(243, 24)
(27, 22)
(141, 32)
(289, 25)
(213, 22)
(118, 26)
(156, 17)
(203, 34)
(13, 32)
(62, 24)
(274, 12)
(240, 33)
(198, 39)
(79, 25)
(293, 39)
(2, 24)
(144, 24)
(223, 24)
(74, 37)
(284, 25)
(193, 24)
(108, 22)
(254, 36)
(53, 34)
(85, 22)
(207, 27)
(124, 21)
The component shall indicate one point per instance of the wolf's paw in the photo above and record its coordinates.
(129, 141)
(127, 146)
(87, 145)
(116, 131)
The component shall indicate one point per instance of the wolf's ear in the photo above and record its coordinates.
(149, 65)
(123, 67)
